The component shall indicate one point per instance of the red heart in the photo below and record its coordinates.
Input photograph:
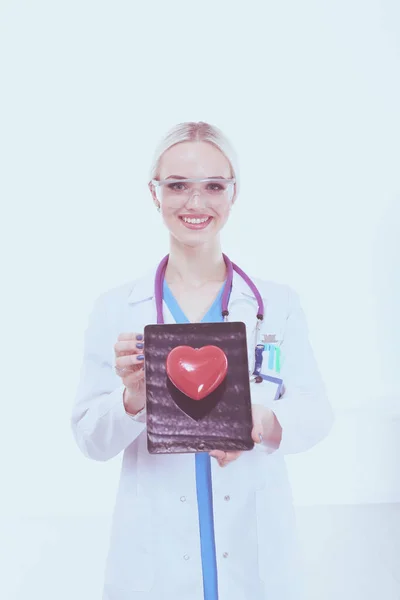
(197, 371)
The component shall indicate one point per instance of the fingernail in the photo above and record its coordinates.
(140, 346)
(261, 437)
(139, 337)
(140, 357)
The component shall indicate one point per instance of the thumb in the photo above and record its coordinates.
(258, 430)
(257, 434)
(218, 454)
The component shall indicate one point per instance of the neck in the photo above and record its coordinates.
(195, 266)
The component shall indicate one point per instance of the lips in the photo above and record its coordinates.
(195, 221)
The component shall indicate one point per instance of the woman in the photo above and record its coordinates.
(206, 526)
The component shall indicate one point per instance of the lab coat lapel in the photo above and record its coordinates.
(142, 300)
(242, 303)
(243, 307)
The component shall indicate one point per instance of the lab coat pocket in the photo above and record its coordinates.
(131, 558)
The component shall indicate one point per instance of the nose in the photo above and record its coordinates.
(195, 200)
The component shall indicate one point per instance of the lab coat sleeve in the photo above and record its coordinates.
(101, 426)
(303, 410)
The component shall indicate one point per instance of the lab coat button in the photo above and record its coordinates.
(227, 498)
(186, 557)
(225, 555)
(183, 499)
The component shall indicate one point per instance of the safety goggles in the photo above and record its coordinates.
(177, 191)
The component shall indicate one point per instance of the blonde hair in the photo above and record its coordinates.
(196, 132)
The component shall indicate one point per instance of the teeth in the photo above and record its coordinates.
(195, 221)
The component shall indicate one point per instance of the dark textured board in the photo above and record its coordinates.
(178, 424)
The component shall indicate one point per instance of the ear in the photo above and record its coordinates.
(234, 195)
(154, 195)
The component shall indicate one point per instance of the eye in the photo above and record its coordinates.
(215, 187)
(176, 187)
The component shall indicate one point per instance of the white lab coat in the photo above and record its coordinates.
(155, 546)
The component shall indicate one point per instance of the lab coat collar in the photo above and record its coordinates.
(143, 288)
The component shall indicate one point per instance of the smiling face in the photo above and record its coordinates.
(194, 212)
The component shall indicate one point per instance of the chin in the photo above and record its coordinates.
(194, 240)
(193, 237)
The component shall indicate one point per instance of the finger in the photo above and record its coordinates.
(127, 337)
(231, 456)
(135, 373)
(222, 455)
(257, 434)
(258, 430)
(132, 360)
(218, 454)
(132, 374)
(227, 461)
(131, 347)
(225, 458)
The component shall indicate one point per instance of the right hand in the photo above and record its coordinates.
(131, 370)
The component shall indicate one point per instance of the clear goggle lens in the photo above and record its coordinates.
(179, 190)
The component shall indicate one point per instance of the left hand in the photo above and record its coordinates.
(263, 420)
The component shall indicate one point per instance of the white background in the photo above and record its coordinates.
(309, 94)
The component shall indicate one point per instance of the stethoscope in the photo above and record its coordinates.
(231, 267)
